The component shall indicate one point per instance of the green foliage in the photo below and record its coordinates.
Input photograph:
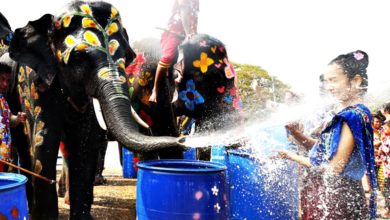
(256, 87)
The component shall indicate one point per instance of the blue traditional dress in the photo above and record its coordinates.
(342, 197)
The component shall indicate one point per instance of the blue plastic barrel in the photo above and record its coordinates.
(190, 154)
(13, 200)
(260, 190)
(260, 193)
(128, 166)
(181, 189)
(218, 154)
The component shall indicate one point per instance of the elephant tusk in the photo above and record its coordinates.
(175, 96)
(98, 113)
(139, 119)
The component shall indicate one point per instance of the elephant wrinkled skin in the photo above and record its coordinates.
(63, 62)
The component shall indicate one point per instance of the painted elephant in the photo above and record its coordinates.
(207, 91)
(63, 62)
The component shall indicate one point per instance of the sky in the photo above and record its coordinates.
(293, 40)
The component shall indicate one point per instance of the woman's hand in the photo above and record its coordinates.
(283, 154)
(288, 155)
(294, 127)
(21, 117)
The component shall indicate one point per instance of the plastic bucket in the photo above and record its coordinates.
(260, 190)
(257, 193)
(190, 154)
(13, 200)
(218, 154)
(129, 164)
(181, 189)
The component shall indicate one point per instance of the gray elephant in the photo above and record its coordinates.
(201, 85)
(64, 62)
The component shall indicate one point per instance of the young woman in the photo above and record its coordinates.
(344, 151)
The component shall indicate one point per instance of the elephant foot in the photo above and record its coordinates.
(82, 217)
(99, 180)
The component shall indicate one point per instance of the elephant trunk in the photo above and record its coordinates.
(116, 108)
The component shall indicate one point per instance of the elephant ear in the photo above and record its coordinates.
(31, 46)
(130, 54)
(5, 34)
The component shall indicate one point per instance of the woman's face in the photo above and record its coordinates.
(386, 129)
(376, 123)
(338, 85)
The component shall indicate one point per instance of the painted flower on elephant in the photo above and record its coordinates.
(88, 23)
(86, 9)
(91, 38)
(233, 98)
(190, 96)
(27, 105)
(37, 111)
(228, 99)
(135, 66)
(33, 93)
(113, 46)
(237, 104)
(82, 47)
(21, 76)
(144, 78)
(112, 29)
(229, 69)
(27, 130)
(66, 20)
(131, 91)
(203, 63)
(114, 12)
(121, 63)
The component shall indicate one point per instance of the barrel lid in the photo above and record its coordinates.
(182, 166)
(14, 179)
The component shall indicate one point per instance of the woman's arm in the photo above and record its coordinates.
(346, 145)
(302, 160)
(337, 164)
(299, 136)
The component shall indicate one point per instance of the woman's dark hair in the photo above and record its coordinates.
(379, 116)
(386, 107)
(354, 63)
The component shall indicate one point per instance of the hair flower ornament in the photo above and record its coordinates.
(358, 55)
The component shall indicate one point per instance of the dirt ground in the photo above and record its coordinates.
(114, 201)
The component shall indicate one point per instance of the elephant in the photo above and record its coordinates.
(207, 91)
(63, 63)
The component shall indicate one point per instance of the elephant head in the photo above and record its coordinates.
(207, 91)
(87, 49)
(5, 34)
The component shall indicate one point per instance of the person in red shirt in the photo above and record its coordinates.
(181, 25)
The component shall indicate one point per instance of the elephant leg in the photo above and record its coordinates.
(99, 179)
(45, 195)
(47, 129)
(83, 149)
(20, 142)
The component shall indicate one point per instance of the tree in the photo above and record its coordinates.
(257, 87)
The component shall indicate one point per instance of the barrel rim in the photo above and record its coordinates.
(18, 179)
(212, 167)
